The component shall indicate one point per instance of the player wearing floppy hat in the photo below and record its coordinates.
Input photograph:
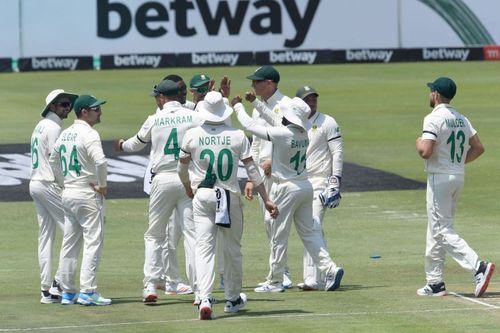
(447, 143)
(214, 149)
(45, 192)
(291, 191)
(79, 164)
(56, 96)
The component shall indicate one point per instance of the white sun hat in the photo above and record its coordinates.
(54, 95)
(296, 111)
(213, 109)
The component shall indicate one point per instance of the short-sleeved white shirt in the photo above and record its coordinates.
(451, 131)
(216, 148)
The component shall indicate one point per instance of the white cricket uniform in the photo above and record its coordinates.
(78, 161)
(324, 159)
(292, 192)
(445, 179)
(174, 233)
(46, 194)
(217, 149)
(165, 129)
(262, 149)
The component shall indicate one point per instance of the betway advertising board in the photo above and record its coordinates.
(60, 28)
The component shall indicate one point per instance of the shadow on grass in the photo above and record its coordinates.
(248, 313)
(159, 302)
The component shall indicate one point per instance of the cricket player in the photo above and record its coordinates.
(447, 143)
(80, 167)
(165, 130)
(324, 168)
(46, 193)
(265, 81)
(215, 149)
(170, 280)
(291, 191)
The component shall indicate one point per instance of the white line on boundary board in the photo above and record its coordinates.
(243, 318)
(473, 300)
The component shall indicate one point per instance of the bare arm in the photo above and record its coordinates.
(476, 149)
(425, 147)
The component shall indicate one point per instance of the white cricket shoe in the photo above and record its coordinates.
(270, 288)
(93, 298)
(55, 289)
(233, 307)
(483, 276)
(333, 279)
(178, 289)
(47, 298)
(438, 289)
(205, 310)
(149, 294)
(287, 280)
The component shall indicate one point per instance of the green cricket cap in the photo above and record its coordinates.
(86, 102)
(199, 83)
(265, 73)
(305, 91)
(444, 86)
(165, 87)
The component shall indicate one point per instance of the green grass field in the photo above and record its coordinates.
(380, 109)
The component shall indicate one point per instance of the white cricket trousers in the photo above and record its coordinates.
(294, 201)
(50, 215)
(268, 182)
(312, 273)
(174, 233)
(206, 235)
(167, 194)
(84, 223)
(443, 191)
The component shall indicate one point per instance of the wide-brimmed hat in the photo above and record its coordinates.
(296, 111)
(444, 86)
(54, 95)
(87, 102)
(213, 108)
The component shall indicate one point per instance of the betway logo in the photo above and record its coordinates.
(187, 18)
(54, 63)
(292, 56)
(214, 58)
(136, 60)
(368, 55)
(445, 54)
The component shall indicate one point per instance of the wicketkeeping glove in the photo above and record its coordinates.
(330, 197)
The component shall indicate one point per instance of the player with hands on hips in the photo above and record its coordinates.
(80, 166)
(214, 149)
(447, 143)
(46, 193)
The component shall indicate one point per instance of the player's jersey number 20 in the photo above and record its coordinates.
(224, 158)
